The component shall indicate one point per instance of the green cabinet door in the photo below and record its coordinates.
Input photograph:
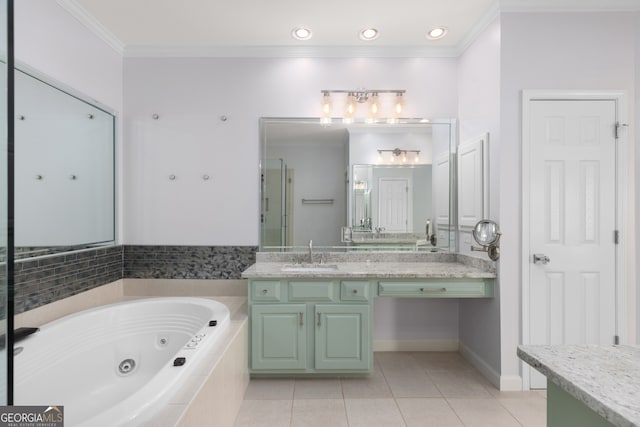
(342, 337)
(278, 336)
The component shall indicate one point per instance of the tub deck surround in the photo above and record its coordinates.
(604, 379)
(373, 265)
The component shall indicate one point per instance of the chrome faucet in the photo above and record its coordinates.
(310, 251)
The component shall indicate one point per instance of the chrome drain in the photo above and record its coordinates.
(127, 366)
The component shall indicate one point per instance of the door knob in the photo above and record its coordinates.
(540, 259)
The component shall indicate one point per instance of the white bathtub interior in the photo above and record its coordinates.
(113, 365)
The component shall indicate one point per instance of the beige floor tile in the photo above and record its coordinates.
(320, 388)
(460, 384)
(405, 376)
(270, 389)
(319, 412)
(530, 409)
(542, 393)
(441, 361)
(482, 413)
(371, 387)
(412, 385)
(264, 413)
(373, 413)
(428, 412)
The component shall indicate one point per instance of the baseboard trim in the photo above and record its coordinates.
(502, 382)
(415, 345)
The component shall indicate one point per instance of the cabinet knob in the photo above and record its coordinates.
(355, 291)
(264, 292)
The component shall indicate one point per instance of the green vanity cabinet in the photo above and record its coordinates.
(311, 326)
(278, 336)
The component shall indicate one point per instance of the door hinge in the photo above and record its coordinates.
(616, 237)
(616, 340)
(617, 129)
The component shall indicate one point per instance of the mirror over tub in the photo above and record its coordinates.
(64, 168)
(357, 186)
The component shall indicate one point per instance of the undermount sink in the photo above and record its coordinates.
(309, 268)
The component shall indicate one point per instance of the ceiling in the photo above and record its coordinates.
(139, 25)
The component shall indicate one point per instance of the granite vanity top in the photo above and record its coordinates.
(605, 378)
(377, 265)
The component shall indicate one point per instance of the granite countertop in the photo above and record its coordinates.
(379, 265)
(605, 378)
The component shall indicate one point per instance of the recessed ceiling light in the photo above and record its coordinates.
(369, 34)
(437, 33)
(301, 33)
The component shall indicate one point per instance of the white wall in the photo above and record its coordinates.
(479, 112)
(191, 94)
(549, 51)
(50, 40)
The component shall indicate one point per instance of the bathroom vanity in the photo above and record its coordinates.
(316, 318)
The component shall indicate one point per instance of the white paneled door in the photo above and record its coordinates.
(572, 217)
(394, 205)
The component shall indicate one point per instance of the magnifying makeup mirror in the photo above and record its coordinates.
(487, 234)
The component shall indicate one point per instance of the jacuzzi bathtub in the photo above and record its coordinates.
(114, 365)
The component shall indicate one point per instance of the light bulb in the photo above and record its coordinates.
(399, 104)
(326, 105)
(417, 159)
(404, 157)
(374, 108)
(380, 160)
(392, 157)
(350, 108)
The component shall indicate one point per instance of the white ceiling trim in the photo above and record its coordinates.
(569, 5)
(287, 52)
(92, 24)
(479, 27)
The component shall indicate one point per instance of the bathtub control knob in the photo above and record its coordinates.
(213, 322)
(191, 345)
(179, 361)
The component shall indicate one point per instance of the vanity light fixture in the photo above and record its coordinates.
(437, 33)
(352, 98)
(301, 33)
(397, 152)
(369, 34)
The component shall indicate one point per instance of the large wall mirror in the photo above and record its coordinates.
(357, 186)
(64, 169)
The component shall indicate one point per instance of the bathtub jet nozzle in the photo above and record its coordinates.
(127, 366)
(213, 322)
(179, 361)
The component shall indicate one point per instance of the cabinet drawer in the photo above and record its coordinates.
(265, 290)
(310, 291)
(453, 288)
(354, 291)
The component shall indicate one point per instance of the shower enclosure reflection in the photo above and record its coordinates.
(317, 179)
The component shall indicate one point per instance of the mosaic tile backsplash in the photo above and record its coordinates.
(187, 262)
(45, 280)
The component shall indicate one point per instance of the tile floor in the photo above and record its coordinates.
(406, 389)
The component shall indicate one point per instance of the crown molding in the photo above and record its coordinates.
(492, 13)
(287, 52)
(569, 5)
(92, 24)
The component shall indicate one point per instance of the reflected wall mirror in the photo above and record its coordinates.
(64, 168)
(387, 183)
